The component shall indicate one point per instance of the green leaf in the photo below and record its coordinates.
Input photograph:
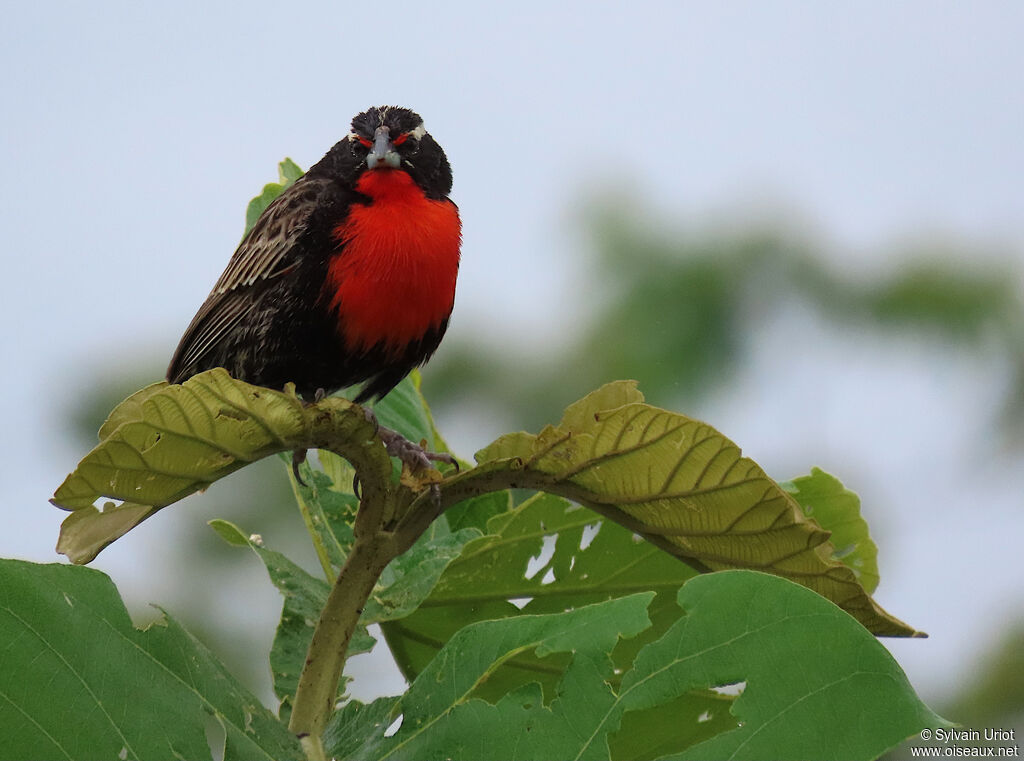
(328, 510)
(168, 441)
(605, 562)
(410, 578)
(440, 719)
(405, 410)
(652, 733)
(88, 530)
(816, 685)
(405, 583)
(826, 501)
(304, 598)
(683, 486)
(78, 681)
(477, 511)
(288, 172)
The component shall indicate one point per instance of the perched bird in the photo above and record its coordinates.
(347, 278)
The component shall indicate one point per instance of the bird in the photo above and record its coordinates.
(347, 278)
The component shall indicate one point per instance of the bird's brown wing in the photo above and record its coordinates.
(267, 252)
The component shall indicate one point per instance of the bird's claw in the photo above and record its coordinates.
(410, 453)
(298, 457)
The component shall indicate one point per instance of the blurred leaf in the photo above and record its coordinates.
(100, 688)
(959, 302)
(827, 502)
(993, 695)
(684, 487)
(676, 330)
(677, 309)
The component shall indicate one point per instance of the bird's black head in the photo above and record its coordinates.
(387, 138)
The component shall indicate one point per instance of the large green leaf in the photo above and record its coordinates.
(78, 681)
(683, 486)
(502, 575)
(816, 684)
(441, 719)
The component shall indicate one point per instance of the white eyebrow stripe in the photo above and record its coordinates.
(419, 132)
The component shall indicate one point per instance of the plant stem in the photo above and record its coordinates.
(318, 684)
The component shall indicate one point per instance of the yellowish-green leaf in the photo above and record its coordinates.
(168, 441)
(827, 502)
(685, 487)
(88, 530)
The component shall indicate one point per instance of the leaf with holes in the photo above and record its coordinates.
(441, 717)
(827, 689)
(815, 683)
(80, 682)
(548, 555)
(682, 485)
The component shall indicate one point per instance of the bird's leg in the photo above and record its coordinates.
(299, 455)
(410, 453)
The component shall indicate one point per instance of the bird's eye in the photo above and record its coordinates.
(400, 139)
(365, 142)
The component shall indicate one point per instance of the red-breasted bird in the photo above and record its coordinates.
(347, 278)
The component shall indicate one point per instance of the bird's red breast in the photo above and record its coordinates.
(394, 277)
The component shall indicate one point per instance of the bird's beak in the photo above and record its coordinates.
(383, 154)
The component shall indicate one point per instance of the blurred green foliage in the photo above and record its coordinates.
(995, 697)
(674, 310)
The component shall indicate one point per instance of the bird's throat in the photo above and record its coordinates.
(393, 277)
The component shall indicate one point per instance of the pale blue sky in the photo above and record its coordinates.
(133, 133)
